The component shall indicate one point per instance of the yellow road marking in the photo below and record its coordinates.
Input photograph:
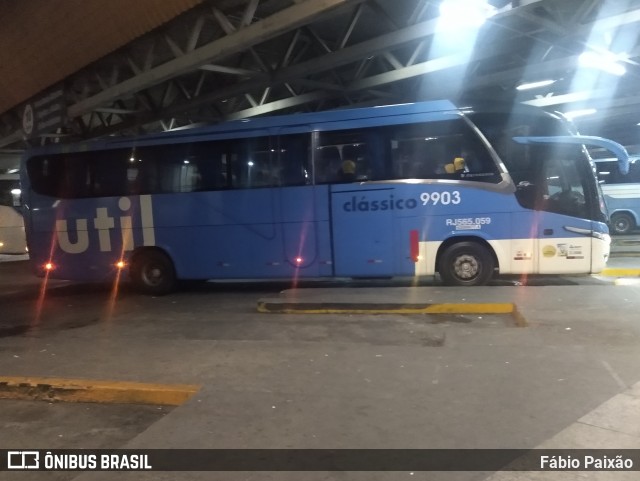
(84, 390)
(620, 272)
(443, 308)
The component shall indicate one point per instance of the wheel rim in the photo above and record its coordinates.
(152, 274)
(466, 267)
(621, 224)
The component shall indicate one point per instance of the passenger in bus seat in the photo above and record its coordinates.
(460, 165)
(347, 171)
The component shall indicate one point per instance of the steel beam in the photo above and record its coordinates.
(234, 43)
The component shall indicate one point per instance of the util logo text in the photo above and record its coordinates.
(104, 224)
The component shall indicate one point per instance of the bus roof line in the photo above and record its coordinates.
(244, 126)
(293, 120)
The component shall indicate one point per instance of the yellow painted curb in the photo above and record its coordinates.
(444, 308)
(620, 272)
(83, 390)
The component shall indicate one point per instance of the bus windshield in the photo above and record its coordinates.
(555, 177)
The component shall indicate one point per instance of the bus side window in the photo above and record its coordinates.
(61, 175)
(211, 159)
(357, 153)
(609, 173)
(108, 172)
(39, 171)
(175, 170)
(190, 178)
(253, 163)
(327, 163)
(633, 177)
(425, 151)
(294, 159)
(446, 149)
(342, 149)
(137, 173)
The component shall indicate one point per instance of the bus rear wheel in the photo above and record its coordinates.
(152, 272)
(466, 264)
(622, 223)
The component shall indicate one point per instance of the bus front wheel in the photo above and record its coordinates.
(152, 272)
(622, 223)
(466, 264)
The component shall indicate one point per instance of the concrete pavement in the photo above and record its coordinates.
(347, 380)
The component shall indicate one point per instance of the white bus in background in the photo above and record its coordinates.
(621, 193)
(12, 236)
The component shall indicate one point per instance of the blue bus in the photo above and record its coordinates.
(621, 194)
(403, 190)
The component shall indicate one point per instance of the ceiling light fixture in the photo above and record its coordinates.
(579, 113)
(535, 85)
(465, 13)
(605, 61)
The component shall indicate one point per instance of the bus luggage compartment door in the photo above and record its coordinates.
(362, 231)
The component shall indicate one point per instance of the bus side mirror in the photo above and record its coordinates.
(526, 193)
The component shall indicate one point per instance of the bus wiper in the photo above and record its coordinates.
(618, 150)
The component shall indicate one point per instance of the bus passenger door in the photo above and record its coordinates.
(362, 230)
(297, 214)
(302, 210)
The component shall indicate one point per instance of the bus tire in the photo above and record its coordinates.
(622, 223)
(152, 272)
(466, 264)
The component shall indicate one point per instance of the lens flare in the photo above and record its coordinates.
(48, 267)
